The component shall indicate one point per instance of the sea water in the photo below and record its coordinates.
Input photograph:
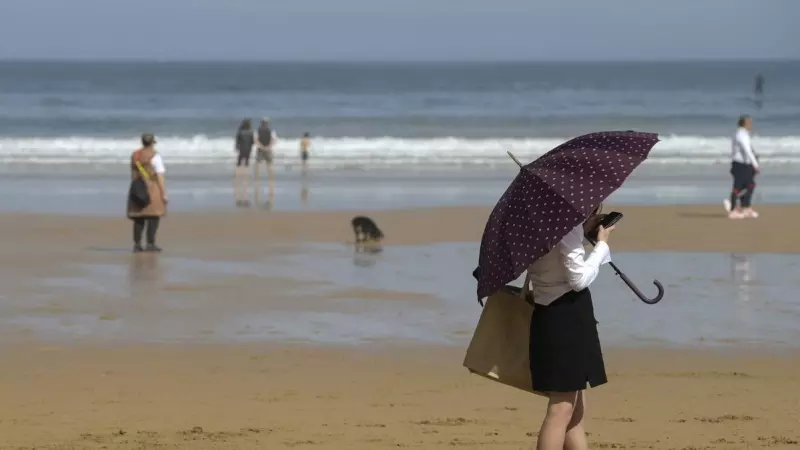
(421, 134)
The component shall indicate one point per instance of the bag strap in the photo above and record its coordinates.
(139, 166)
(526, 288)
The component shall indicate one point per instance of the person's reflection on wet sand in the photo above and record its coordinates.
(270, 202)
(144, 273)
(304, 190)
(742, 275)
(366, 255)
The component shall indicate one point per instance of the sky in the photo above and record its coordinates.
(399, 30)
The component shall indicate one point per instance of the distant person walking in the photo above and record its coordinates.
(744, 167)
(305, 147)
(146, 164)
(266, 138)
(244, 141)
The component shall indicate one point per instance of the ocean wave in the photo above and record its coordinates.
(374, 152)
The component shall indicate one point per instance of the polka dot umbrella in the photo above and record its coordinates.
(551, 196)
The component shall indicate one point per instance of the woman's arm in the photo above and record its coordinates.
(134, 169)
(582, 270)
(160, 170)
(743, 138)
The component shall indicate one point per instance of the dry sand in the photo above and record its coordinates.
(265, 397)
(657, 228)
(246, 396)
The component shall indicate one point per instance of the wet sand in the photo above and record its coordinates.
(262, 396)
(657, 228)
(101, 390)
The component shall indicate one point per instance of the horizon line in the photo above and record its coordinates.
(390, 62)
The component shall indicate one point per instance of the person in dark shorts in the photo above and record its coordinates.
(265, 143)
(305, 147)
(244, 147)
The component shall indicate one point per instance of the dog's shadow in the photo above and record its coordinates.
(366, 255)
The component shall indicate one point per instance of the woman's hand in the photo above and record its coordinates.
(604, 233)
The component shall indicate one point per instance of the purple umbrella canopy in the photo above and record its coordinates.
(551, 196)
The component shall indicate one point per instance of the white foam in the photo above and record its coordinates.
(373, 152)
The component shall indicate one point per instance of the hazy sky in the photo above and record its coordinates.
(399, 29)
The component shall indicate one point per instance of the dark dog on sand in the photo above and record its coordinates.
(366, 230)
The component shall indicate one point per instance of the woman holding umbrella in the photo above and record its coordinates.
(539, 225)
(564, 347)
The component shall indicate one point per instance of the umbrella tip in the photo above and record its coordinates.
(514, 158)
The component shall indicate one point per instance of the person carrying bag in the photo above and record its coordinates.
(147, 196)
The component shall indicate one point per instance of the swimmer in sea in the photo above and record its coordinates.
(758, 90)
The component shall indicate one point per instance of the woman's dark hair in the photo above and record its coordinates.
(743, 119)
(245, 125)
(306, 134)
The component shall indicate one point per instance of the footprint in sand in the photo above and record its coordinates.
(778, 440)
(725, 418)
(447, 422)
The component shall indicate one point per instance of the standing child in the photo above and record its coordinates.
(305, 146)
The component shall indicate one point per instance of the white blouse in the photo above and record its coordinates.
(566, 268)
(158, 164)
(742, 148)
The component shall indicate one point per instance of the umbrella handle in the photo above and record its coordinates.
(626, 280)
(642, 297)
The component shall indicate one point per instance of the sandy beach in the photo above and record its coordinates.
(261, 396)
(698, 228)
(95, 391)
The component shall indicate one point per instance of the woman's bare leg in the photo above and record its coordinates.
(270, 176)
(552, 434)
(576, 434)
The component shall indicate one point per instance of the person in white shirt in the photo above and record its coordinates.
(565, 350)
(744, 167)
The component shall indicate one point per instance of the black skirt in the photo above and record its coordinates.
(565, 349)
